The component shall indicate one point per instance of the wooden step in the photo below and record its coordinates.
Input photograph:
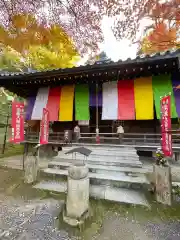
(121, 195)
(112, 177)
(100, 167)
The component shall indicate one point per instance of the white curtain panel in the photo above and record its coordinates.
(40, 103)
(110, 101)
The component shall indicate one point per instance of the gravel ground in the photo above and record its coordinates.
(164, 231)
(30, 220)
(116, 227)
(37, 220)
(30, 214)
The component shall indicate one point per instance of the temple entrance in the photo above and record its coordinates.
(105, 126)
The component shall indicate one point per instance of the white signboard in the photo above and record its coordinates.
(83, 123)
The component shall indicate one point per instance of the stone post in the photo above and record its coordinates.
(77, 203)
(30, 169)
(163, 184)
(154, 154)
(177, 156)
(31, 165)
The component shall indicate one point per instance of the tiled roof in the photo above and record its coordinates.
(97, 65)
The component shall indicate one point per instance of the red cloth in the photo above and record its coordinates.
(126, 103)
(53, 103)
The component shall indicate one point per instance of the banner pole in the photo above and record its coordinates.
(38, 154)
(6, 129)
(97, 115)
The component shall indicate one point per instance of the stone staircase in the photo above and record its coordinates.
(104, 155)
(115, 173)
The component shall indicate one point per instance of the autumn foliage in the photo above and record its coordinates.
(128, 14)
(25, 31)
(26, 43)
(160, 39)
(79, 19)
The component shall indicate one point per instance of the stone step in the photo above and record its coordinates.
(118, 177)
(105, 155)
(176, 184)
(100, 146)
(121, 195)
(105, 148)
(102, 161)
(66, 164)
(97, 155)
(109, 151)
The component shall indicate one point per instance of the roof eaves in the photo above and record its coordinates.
(99, 64)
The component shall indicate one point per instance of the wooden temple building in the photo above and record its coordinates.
(100, 95)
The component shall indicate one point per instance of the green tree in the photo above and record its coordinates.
(11, 60)
(101, 57)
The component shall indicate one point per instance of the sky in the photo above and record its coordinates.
(120, 49)
(116, 49)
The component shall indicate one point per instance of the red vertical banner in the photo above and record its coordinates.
(53, 103)
(17, 122)
(44, 127)
(126, 103)
(166, 126)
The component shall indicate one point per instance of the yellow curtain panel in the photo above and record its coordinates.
(66, 103)
(143, 94)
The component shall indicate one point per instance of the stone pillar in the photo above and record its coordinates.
(154, 154)
(77, 204)
(177, 156)
(30, 168)
(163, 184)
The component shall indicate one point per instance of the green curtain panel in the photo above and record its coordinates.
(82, 102)
(162, 85)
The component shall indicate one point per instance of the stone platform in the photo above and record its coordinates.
(115, 173)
